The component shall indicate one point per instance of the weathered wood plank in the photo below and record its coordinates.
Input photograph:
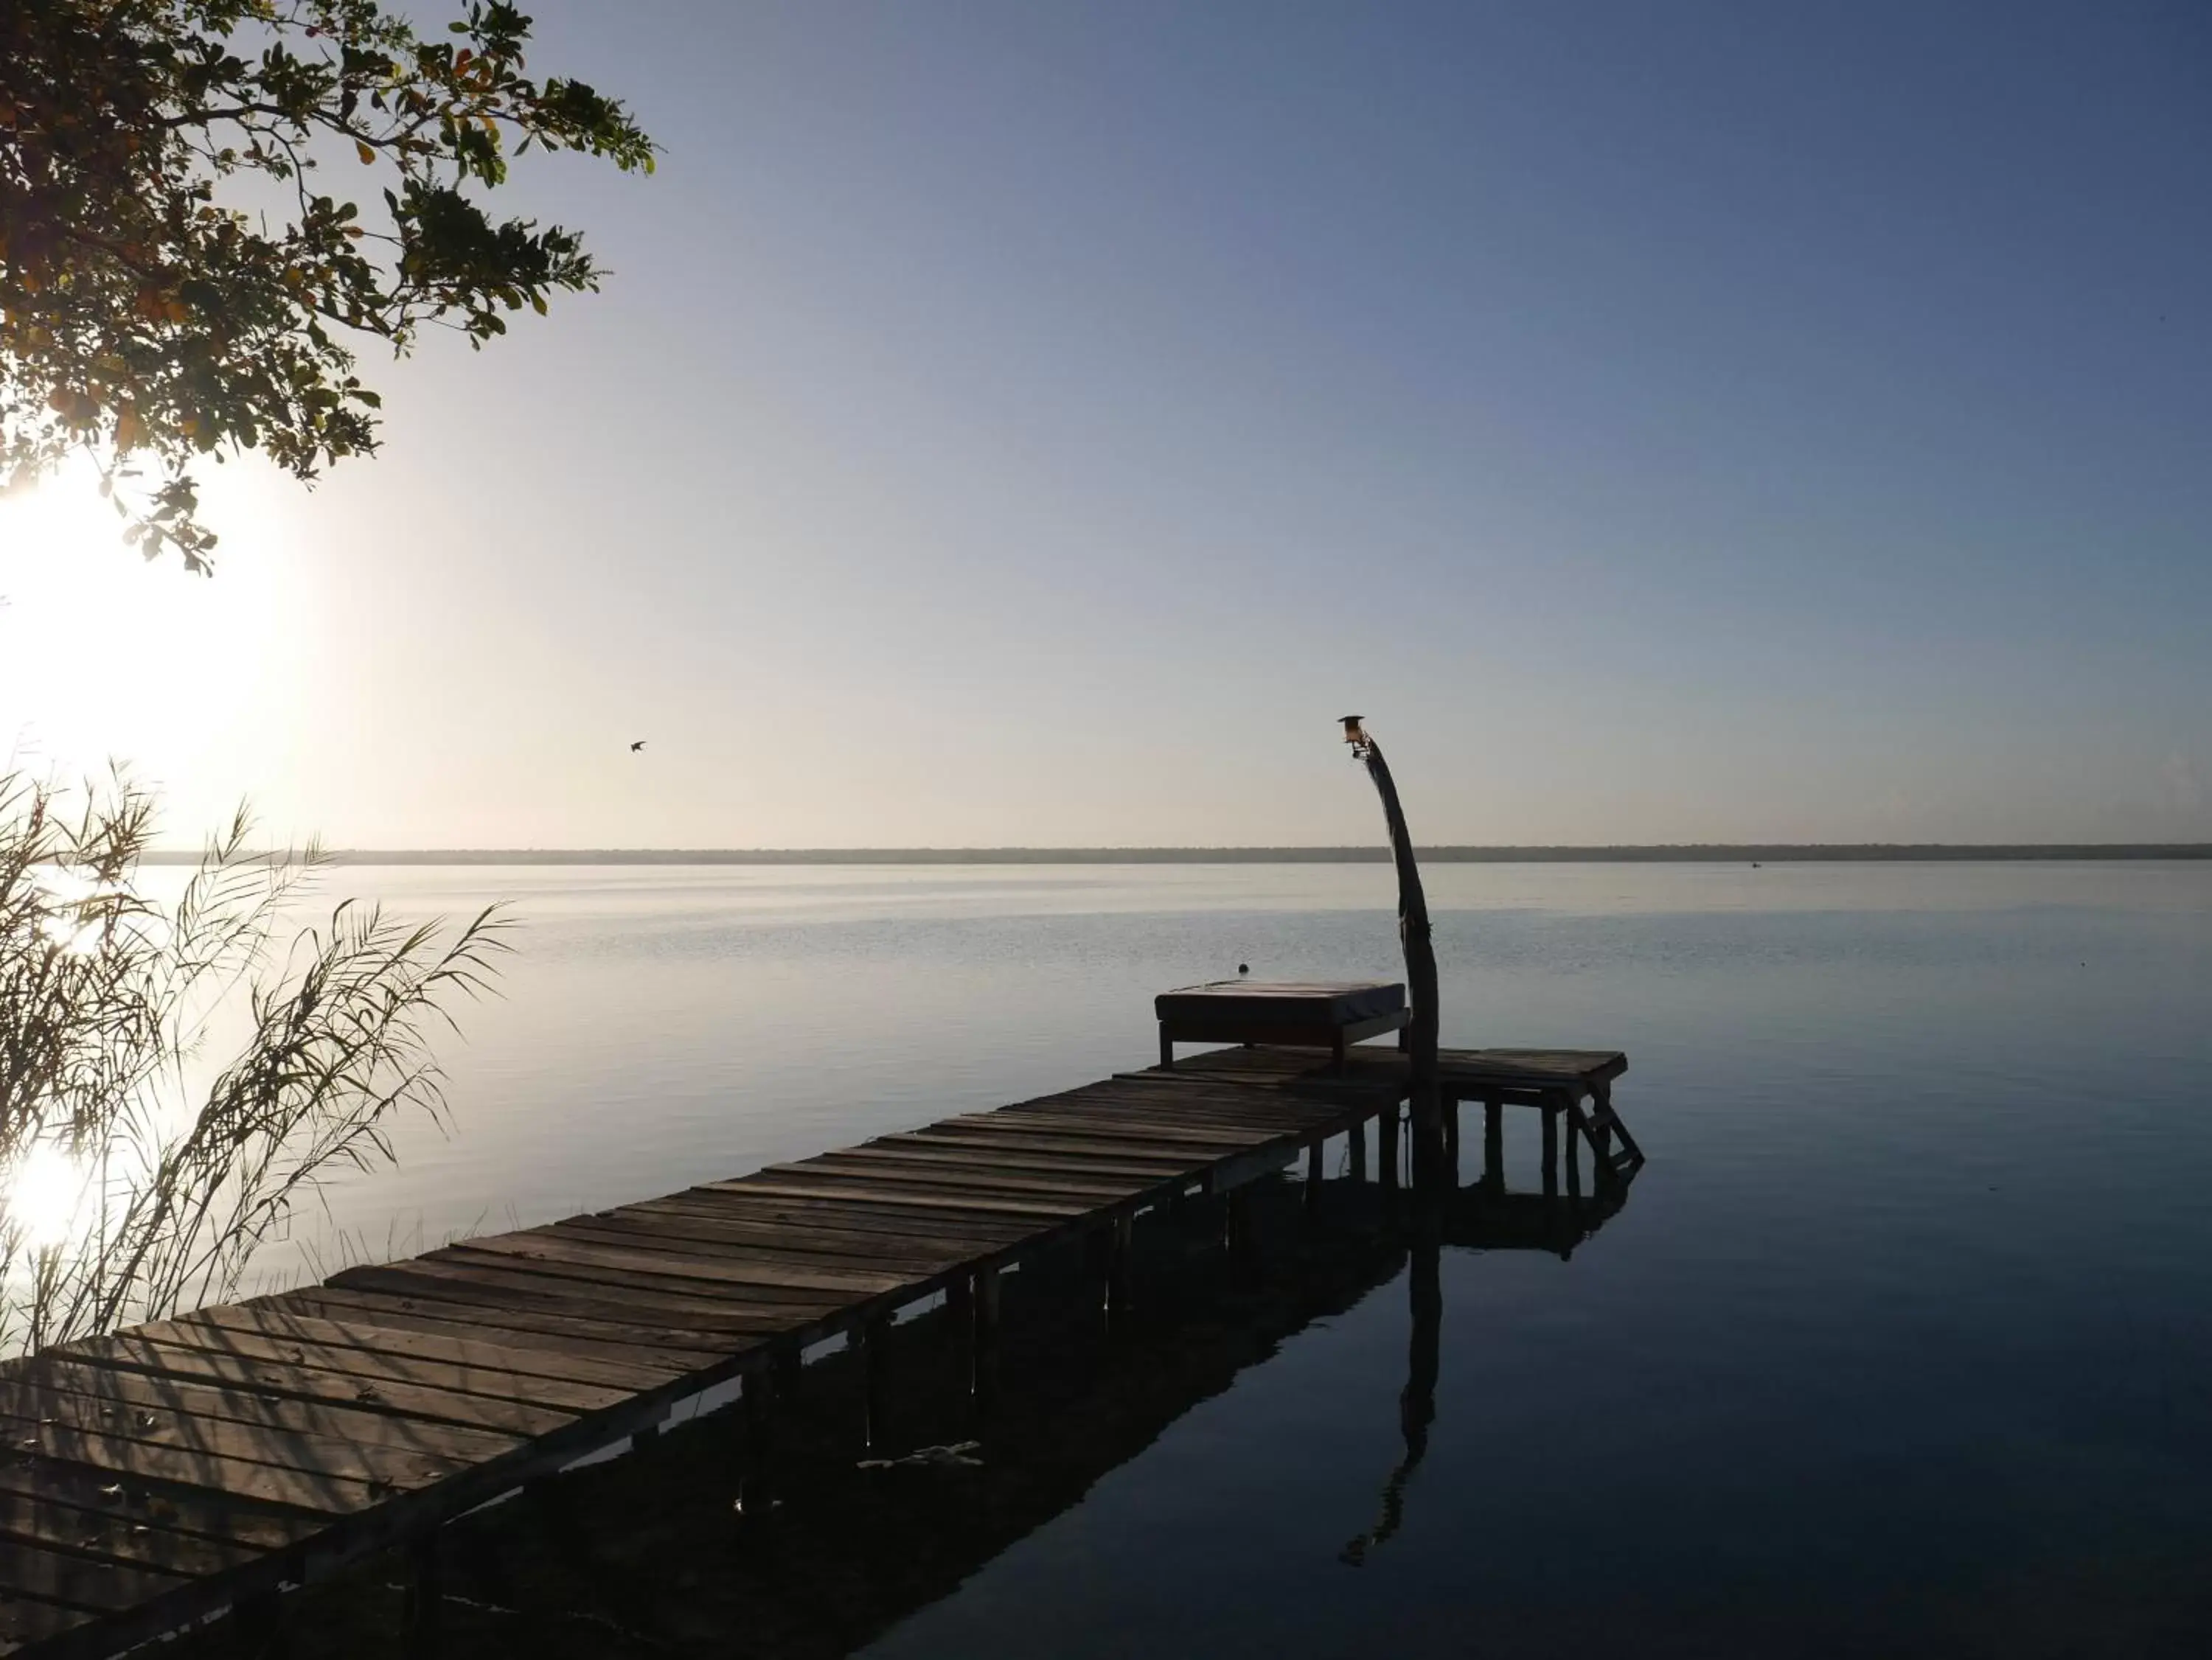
(489, 1381)
(1067, 1155)
(797, 1247)
(1130, 1165)
(236, 1478)
(889, 1164)
(157, 1506)
(547, 1245)
(846, 1215)
(789, 1186)
(465, 1282)
(137, 1392)
(79, 1581)
(45, 1521)
(657, 1346)
(400, 1469)
(481, 1353)
(674, 1292)
(24, 1621)
(133, 1352)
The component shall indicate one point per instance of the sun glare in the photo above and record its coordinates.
(104, 655)
(47, 1198)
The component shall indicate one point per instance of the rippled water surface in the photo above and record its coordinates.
(1903, 1342)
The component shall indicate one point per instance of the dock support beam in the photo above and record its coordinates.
(875, 1391)
(426, 1595)
(1574, 1157)
(985, 1365)
(1313, 1168)
(753, 1499)
(1550, 1153)
(1386, 1145)
(1120, 1263)
(1358, 1141)
(1493, 1146)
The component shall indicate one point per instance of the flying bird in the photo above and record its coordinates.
(637, 746)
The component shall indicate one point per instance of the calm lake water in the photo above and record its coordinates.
(1902, 1343)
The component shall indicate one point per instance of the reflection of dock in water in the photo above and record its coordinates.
(862, 1502)
(211, 1464)
(647, 1555)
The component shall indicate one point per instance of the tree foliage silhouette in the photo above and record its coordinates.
(177, 282)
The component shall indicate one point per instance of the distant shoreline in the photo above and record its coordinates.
(1673, 853)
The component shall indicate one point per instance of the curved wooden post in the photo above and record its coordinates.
(1414, 941)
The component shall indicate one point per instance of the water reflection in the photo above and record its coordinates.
(1480, 1215)
(879, 1482)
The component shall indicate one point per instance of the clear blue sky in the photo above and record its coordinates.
(1027, 424)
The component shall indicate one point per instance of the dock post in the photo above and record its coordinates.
(1601, 1137)
(426, 1593)
(258, 1623)
(985, 1329)
(1493, 1145)
(752, 1474)
(1551, 1152)
(1313, 1168)
(1236, 1229)
(874, 1389)
(1451, 1136)
(1574, 1159)
(1357, 1139)
(789, 1366)
(1121, 1266)
(1386, 1145)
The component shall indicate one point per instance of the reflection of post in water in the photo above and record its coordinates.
(1483, 1216)
(1417, 1402)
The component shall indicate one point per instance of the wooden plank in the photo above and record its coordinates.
(400, 1469)
(1074, 1149)
(1127, 1128)
(136, 1353)
(544, 1244)
(1210, 1153)
(794, 1246)
(1180, 1102)
(135, 1391)
(1129, 1164)
(237, 1478)
(662, 1346)
(80, 1582)
(1230, 1112)
(483, 1351)
(891, 1165)
(489, 1382)
(25, 1621)
(47, 1522)
(464, 1282)
(778, 1184)
(845, 1215)
(674, 1292)
(157, 1506)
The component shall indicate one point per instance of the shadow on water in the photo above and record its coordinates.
(872, 1487)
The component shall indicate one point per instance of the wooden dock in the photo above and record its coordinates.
(153, 1479)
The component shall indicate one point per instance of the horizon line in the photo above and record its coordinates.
(1462, 853)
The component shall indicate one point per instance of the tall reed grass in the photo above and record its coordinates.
(177, 1075)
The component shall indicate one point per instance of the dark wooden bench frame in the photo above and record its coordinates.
(1312, 1035)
